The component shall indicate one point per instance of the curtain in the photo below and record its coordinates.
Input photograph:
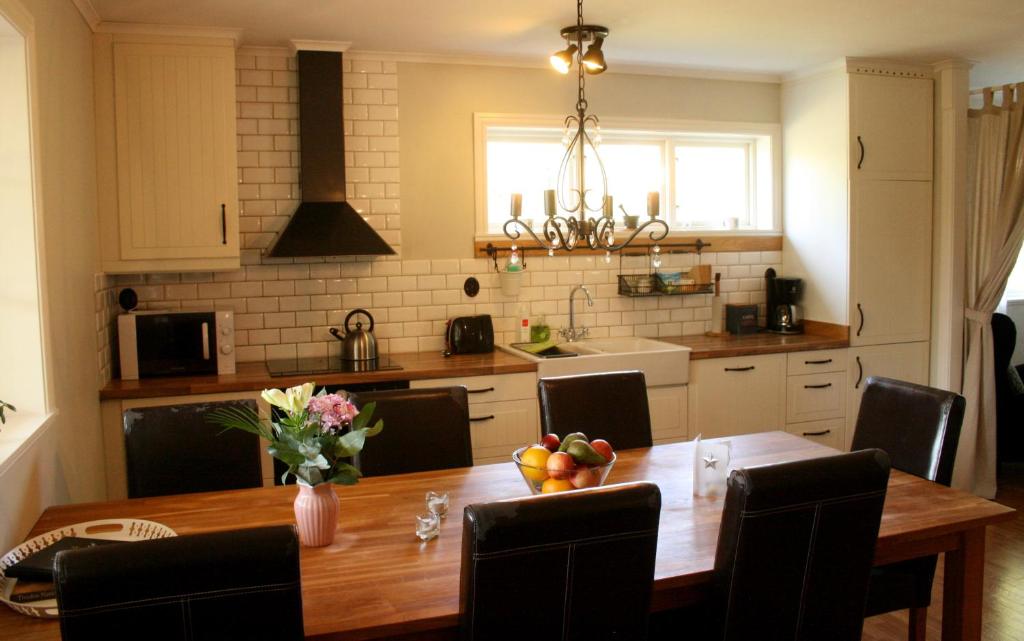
(995, 191)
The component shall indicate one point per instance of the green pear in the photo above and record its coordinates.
(583, 453)
(569, 438)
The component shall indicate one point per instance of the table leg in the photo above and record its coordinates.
(962, 588)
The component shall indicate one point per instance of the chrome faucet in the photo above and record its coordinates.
(571, 333)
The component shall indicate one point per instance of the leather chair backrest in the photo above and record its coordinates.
(612, 406)
(172, 449)
(424, 429)
(241, 584)
(573, 566)
(917, 426)
(1004, 341)
(796, 546)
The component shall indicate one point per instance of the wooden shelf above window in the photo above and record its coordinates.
(717, 243)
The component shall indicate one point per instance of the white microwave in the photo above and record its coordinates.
(176, 343)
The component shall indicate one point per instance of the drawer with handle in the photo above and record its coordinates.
(813, 397)
(488, 389)
(826, 360)
(828, 432)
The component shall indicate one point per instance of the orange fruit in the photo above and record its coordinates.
(556, 485)
(535, 456)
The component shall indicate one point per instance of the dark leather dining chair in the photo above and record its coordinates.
(612, 406)
(795, 549)
(241, 584)
(1009, 391)
(424, 429)
(575, 565)
(919, 427)
(173, 449)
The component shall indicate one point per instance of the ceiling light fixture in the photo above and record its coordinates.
(582, 136)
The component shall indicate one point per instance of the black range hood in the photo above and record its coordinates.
(324, 223)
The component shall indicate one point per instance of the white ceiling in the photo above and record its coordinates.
(773, 37)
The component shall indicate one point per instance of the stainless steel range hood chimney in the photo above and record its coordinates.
(324, 223)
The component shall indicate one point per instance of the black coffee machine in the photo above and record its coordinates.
(783, 313)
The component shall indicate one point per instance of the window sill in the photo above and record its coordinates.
(19, 433)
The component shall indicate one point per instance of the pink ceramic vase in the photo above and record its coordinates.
(316, 514)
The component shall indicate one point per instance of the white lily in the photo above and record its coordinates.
(293, 400)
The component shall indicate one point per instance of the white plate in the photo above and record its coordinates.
(110, 529)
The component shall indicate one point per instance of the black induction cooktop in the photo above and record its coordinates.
(328, 365)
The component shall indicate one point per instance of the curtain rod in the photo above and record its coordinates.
(994, 88)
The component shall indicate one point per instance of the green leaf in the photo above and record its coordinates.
(350, 444)
(286, 455)
(364, 415)
(239, 418)
(345, 474)
(376, 429)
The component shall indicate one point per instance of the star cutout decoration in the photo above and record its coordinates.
(710, 462)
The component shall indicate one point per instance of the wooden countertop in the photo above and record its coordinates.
(424, 365)
(254, 376)
(753, 344)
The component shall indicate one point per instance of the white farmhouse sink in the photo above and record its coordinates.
(661, 363)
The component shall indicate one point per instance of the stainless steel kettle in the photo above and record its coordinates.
(357, 344)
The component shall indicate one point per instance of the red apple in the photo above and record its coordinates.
(586, 476)
(561, 466)
(551, 441)
(602, 447)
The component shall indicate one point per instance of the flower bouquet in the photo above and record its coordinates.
(315, 436)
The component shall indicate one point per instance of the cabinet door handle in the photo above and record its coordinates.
(481, 418)
(739, 369)
(821, 433)
(223, 225)
(824, 362)
(861, 143)
(823, 386)
(860, 374)
(480, 391)
(860, 310)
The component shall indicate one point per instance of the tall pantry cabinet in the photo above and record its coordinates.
(858, 211)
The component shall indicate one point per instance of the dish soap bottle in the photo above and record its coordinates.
(539, 331)
(524, 323)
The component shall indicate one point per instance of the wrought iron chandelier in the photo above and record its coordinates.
(582, 136)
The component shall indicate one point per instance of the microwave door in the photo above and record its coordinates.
(176, 344)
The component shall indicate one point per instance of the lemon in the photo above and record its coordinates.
(535, 456)
(556, 485)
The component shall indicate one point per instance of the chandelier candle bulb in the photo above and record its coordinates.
(517, 205)
(653, 203)
(608, 207)
(549, 203)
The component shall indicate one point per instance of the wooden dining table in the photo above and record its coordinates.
(378, 581)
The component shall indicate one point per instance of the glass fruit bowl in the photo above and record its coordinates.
(540, 481)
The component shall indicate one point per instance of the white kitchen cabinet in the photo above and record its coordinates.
(669, 418)
(902, 361)
(890, 125)
(503, 412)
(890, 261)
(166, 153)
(737, 395)
(860, 237)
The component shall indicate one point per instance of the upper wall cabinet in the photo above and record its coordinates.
(890, 126)
(166, 156)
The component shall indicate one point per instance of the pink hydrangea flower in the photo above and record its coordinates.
(333, 410)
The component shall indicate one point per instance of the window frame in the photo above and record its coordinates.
(764, 140)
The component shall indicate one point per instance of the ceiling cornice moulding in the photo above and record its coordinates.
(89, 14)
(338, 46)
(533, 63)
(169, 30)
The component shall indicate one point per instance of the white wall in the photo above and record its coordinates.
(436, 121)
(815, 139)
(65, 463)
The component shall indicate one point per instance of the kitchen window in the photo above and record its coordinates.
(711, 176)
